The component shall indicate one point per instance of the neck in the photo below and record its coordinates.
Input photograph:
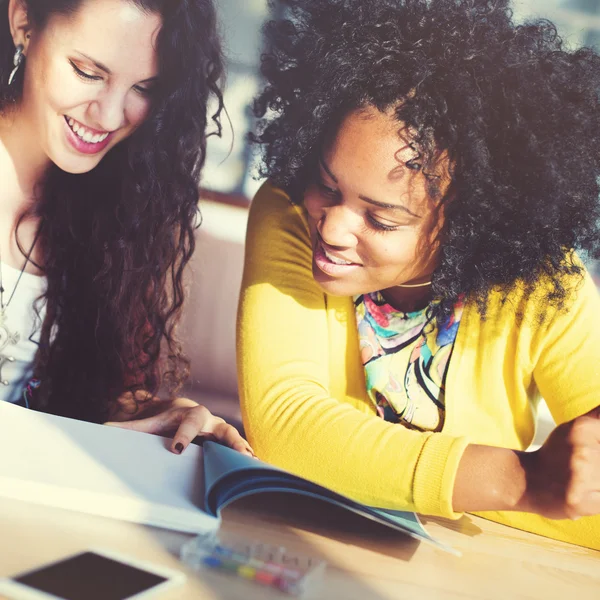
(408, 299)
(22, 166)
(23, 163)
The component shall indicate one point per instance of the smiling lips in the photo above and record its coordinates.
(85, 134)
(84, 139)
(330, 263)
(335, 260)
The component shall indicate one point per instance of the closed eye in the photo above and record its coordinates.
(144, 91)
(379, 225)
(327, 190)
(83, 75)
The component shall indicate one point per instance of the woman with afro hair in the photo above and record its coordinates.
(412, 288)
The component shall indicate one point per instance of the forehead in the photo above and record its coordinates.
(371, 144)
(117, 33)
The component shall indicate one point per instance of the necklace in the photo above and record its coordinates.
(415, 285)
(7, 338)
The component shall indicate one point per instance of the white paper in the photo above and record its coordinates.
(100, 470)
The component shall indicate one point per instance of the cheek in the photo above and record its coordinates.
(137, 110)
(397, 251)
(46, 85)
(63, 96)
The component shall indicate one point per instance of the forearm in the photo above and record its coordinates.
(558, 481)
(353, 453)
(490, 479)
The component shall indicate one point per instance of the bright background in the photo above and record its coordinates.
(230, 161)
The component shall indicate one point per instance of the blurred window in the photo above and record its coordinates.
(230, 163)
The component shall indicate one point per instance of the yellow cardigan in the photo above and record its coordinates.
(302, 384)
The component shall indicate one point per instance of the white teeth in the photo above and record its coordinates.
(86, 136)
(335, 260)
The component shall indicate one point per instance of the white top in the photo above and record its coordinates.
(19, 331)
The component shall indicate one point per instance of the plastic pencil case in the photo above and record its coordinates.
(273, 566)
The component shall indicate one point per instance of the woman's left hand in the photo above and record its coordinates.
(181, 418)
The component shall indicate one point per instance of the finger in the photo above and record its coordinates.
(592, 506)
(144, 425)
(228, 435)
(204, 436)
(585, 430)
(196, 419)
(588, 507)
(585, 470)
(158, 424)
(595, 413)
(181, 402)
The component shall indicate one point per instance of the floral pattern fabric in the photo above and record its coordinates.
(406, 358)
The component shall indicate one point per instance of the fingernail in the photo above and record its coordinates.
(179, 447)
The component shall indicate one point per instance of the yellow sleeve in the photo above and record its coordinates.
(289, 414)
(567, 365)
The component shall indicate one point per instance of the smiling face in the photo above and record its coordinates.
(373, 224)
(88, 81)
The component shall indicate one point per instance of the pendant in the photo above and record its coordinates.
(6, 339)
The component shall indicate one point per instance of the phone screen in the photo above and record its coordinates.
(91, 576)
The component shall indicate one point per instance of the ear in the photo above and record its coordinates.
(18, 21)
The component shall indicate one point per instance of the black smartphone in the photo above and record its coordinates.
(92, 575)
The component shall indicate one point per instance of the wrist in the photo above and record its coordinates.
(529, 465)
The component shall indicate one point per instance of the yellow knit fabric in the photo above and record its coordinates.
(302, 384)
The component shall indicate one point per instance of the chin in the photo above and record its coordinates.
(340, 290)
(334, 286)
(76, 165)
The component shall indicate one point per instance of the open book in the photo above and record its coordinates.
(131, 476)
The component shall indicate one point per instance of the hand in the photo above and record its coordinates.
(563, 476)
(181, 418)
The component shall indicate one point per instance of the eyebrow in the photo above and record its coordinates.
(104, 68)
(385, 205)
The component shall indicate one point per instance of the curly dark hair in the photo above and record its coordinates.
(516, 111)
(115, 241)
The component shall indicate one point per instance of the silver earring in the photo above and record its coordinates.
(17, 61)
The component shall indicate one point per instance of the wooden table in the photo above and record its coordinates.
(365, 561)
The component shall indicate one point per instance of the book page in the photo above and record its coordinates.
(100, 470)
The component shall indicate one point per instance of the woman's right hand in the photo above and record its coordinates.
(561, 480)
(563, 476)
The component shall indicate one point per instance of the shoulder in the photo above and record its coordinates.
(274, 200)
(269, 194)
(552, 296)
(274, 217)
(537, 309)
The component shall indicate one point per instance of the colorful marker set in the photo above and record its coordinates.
(267, 565)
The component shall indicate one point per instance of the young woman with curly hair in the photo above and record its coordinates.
(103, 127)
(411, 286)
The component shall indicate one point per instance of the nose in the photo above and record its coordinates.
(336, 226)
(108, 111)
